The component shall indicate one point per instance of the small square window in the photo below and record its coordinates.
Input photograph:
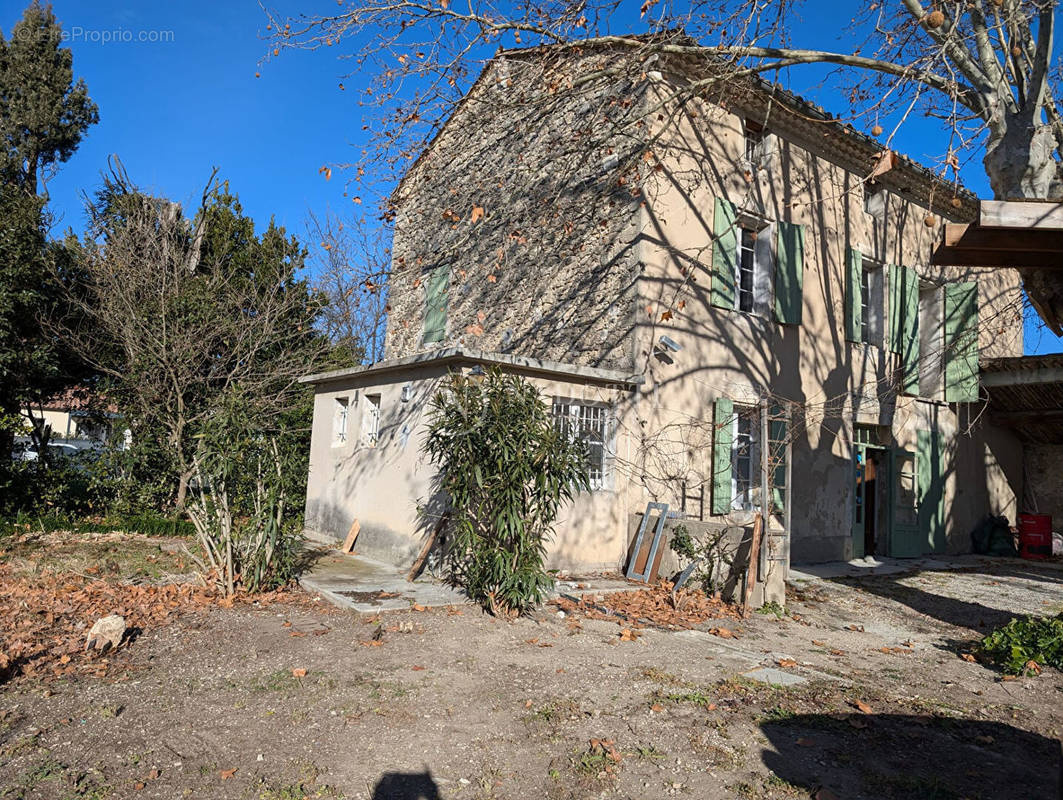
(754, 141)
(340, 417)
(371, 420)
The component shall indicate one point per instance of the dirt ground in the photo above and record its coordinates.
(450, 703)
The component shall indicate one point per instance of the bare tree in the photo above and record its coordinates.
(352, 267)
(183, 317)
(984, 68)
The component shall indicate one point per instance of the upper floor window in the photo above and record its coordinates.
(747, 268)
(872, 302)
(591, 424)
(753, 133)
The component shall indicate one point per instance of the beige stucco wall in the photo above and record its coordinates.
(383, 486)
(831, 382)
(587, 252)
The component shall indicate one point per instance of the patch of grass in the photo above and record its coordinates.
(696, 697)
(777, 714)
(1026, 644)
(650, 753)
(772, 609)
(592, 764)
(660, 676)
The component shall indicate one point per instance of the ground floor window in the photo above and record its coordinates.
(371, 420)
(744, 451)
(590, 423)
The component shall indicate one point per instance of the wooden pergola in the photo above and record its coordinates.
(1008, 233)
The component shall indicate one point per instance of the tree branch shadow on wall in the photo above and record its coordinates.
(406, 786)
(890, 756)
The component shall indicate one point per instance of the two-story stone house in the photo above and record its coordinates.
(698, 271)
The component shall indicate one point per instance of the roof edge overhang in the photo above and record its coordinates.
(460, 356)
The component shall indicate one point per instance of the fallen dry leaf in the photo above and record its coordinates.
(419, 607)
(417, 668)
(139, 785)
(299, 672)
(818, 643)
(862, 706)
(628, 635)
(857, 628)
(968, 657)
(656, 707)
(372, 643)
(786, 662)
(226, 774)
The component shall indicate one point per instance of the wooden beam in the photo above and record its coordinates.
(1012, 419)
(1024, 214)
(352, 537)
(1010, 239)
(1023, 377)
(945, 256)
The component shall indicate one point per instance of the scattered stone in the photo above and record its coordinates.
(106, 633)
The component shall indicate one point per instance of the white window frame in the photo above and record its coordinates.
(580, 420)
(745, 450)
(371, 420)
(872, 302)
(341, 419)
(755, 257)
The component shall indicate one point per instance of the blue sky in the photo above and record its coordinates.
(174, 108)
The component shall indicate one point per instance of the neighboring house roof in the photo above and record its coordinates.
(907, 177)
(1026, 394)
(77, 399)
(461, 356)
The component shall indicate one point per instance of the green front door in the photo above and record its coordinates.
(906, 540)
(931, 491)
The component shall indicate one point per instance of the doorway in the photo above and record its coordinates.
(871, 513)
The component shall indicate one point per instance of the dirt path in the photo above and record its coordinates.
(450, 703)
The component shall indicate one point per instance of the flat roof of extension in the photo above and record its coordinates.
(459, 356)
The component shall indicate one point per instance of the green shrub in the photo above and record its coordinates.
(505, 470)
(1030, 639)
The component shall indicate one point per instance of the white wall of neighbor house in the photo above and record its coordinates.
(383, 484)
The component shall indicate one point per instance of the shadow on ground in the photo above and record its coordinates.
(900, 756)
(961, 613)
(406, 786)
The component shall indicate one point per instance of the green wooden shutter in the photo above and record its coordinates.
(724, 253)
(854, 268)
(435, 314)
(909, 342)
(723, 419)
(895, 276)
(961, 342)
(931, 489)
(789, 272)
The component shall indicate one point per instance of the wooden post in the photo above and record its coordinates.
(418, 565)
(754, 558)
(352, 536)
